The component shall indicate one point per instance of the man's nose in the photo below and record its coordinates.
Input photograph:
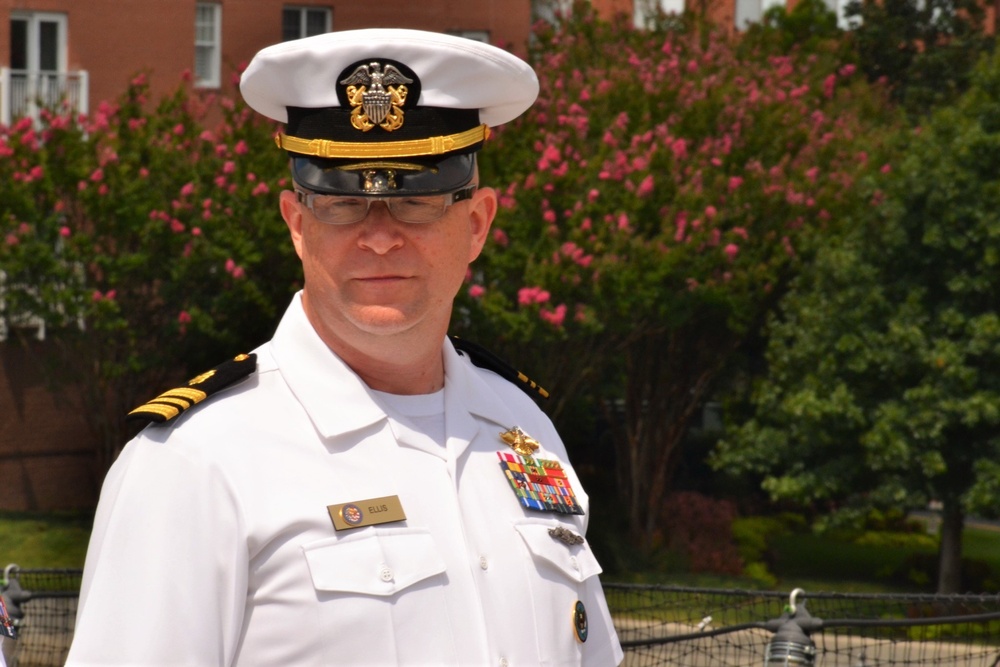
(380, 232)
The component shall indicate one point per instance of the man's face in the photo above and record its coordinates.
(383, 277)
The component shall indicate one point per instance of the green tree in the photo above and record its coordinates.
(883, 388)
(653, 203)
(144, 237)
(924, 49)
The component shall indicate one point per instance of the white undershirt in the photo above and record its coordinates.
(425, 412)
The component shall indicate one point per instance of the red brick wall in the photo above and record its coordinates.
(46, 450)
(115, 39)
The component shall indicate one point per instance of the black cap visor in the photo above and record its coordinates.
(384, 178)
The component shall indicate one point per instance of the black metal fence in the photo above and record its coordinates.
(662, 625)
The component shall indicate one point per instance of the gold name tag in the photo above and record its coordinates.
(366, 512)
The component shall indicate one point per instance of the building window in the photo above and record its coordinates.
(38, 42)
(299, 22)
(477, 35)
(37, 77)
(207, 45)
(752, 11)
(644, 10)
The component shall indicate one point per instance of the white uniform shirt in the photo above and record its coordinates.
(213, 545)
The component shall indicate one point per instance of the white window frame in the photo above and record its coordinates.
(35, 19)
(752, 11)
(211, 44)
(303, 10)
(643, 10)
(475, 35)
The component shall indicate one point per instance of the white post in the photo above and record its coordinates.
(5, 94)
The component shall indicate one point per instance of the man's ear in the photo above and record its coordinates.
(482, 211)
(292, 213)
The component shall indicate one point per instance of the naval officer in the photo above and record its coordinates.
(362, 489)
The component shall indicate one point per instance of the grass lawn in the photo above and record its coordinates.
(49, 541)
(801, 560)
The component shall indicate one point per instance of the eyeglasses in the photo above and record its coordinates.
(342, 210)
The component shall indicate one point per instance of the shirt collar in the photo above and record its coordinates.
(338, 401)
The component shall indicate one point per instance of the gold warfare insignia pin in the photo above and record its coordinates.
(520, 442)
(371, 512)
(377, 92)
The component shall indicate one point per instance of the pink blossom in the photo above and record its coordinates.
(187, 190)
(228, 167)
(12, 240)
(847, 70)
(241, 147)
(184, 317)
(176, 226)
(549, 216)
(710, 211)
(143, 172)
(500, 237)
(179, 129)
(196, 231)
(679, 148)
(555, 316)
(731, 251)
(734, 183)
(97, 175)
(238, 272)
(476, 291)
(886, 168)
(828, 85)
(530, 295)
(812, 174)
(261, 189)
(64, 231)
(230, 265)
(646, 187)
(623, 221)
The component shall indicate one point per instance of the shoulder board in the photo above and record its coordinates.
(483, 358)
(171, 403)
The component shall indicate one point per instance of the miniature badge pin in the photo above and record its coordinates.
(520, 442)
(371, 512)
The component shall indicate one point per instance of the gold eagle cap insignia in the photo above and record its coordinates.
(377, 94)
(520, 442)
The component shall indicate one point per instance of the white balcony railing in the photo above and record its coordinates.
(24, 93)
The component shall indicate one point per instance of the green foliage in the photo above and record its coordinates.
(807, 25)
(654, 202)
(881, 389)
(925, 49)
(147, 239)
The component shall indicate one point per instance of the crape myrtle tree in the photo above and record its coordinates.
(884, 388)
(653, 203)
(146, 237)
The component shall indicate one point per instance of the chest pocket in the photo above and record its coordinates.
(380, 563)
(576, 562)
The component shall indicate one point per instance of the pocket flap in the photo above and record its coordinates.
(575, 561)
(374, 563)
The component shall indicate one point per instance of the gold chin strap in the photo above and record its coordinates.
(325, 148)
